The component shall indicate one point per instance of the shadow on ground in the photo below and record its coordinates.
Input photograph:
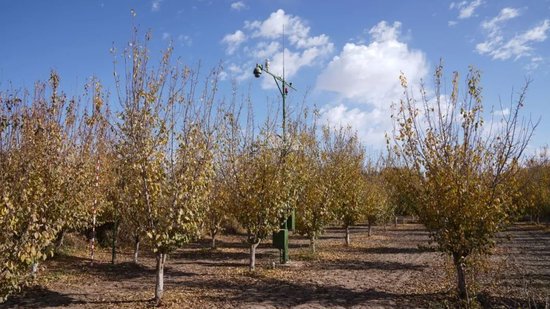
(40, 297)
(279, 293)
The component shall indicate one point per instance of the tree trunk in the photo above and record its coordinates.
(213, 233)
(370, 229)
(136, 248)
(253, 246)
(395, 222)
(60, 239)
(461, 279)
(113, 253)
(115, 235)
(34, 269)
(159, 288)
(347, 236)
(312, 243)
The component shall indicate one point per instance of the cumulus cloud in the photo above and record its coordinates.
(155, 5)
(237, 6)
(264, 40)
(368, 76)
(466, 9)
(520, 45)
(233, 41)
(370, 73)
(370, 125)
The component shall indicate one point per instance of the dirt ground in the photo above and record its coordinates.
(396, 268)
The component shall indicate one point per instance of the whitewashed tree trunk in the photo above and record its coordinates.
(34, 269)
(159, 288)
(213, 232)
(312, 243)
(136, 248)
(253, 246)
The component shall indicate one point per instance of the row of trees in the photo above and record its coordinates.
(47, 149)
(177, 162)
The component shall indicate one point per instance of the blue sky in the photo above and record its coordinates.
(347, 53)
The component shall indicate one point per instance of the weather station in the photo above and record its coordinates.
(280, 238)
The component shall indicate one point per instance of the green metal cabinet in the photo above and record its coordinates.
(280, 239)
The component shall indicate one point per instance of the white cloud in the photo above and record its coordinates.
(155, 5)
(370, 125)
(265, 41)
(182, 39)
(502, 113)
(368, 75)
(237, 6)
(222, 75)
(534, 64)
(452, 23)
(520, 45)
(239, 72)
(383, 32)
(465, 9)
(493, 25)
(233, 41)
(185, 40)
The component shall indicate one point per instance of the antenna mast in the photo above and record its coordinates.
(283, 52)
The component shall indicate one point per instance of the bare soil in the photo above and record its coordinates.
(397, 268)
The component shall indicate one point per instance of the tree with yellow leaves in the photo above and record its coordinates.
(344, 158)
(377, 205)
(313, 207)
(164, 144)
(466, 172)
(40, 163)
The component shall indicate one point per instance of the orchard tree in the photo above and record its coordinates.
(344, 158)
(400, 186)
(466, 171)
(37, 165)
(88, 139)
(313, 211)
(165, 150)
(258, 177)
(216, 209)
(377, 208)
(218, 206)
(534, 198)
